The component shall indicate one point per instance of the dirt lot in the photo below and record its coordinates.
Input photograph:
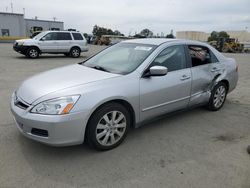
(196, 148)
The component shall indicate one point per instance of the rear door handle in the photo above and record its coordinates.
(185, 77)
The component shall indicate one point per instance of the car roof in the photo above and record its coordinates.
(159, 41)
(50, 31)
(150, 41)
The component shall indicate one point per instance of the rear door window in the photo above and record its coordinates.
(77, 36)
(200, 55)
(63, 36)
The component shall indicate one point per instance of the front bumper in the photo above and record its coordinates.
(55, 130)
(20, 48)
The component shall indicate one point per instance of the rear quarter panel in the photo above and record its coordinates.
(232, 73)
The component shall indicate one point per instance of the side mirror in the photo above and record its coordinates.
(156, 71)
(42, 39)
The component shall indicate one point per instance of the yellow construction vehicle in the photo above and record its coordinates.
(227, 45)
(35, 31)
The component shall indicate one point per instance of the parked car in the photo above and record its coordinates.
(68, 43)
(129, 83)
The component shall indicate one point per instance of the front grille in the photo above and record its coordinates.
(21, 105)
(39, 132)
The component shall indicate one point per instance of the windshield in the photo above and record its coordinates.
(121, 58)
(37, 37)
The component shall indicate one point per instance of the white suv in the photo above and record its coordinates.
(65, 42)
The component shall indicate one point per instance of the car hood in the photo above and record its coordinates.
(59, 79)
(25, 40)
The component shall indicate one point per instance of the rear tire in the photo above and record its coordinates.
(218, 97)
(108, 126)
(32, 52)
(75, 52)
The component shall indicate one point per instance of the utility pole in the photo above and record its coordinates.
(11, 5)
(24, 12)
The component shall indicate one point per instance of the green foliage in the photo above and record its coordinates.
(223, 34)
(216, 35)
(116, 32)
(99, 31)
(146, 33)
(171, 36)
(85, 35)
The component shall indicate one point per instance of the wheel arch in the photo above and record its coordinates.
(226, 82)
(122, 102)
(75, 46)
(220, 78)
(34, 46)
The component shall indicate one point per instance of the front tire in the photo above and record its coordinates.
(108, 126)
(32, 52)
(218, 97)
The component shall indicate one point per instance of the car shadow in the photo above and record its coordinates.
(50, 57)
(174, 138)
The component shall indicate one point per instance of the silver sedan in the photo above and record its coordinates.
(123, 86)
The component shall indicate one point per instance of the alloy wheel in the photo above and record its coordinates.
(111, 128)
(219, 96)
(75, 52)
(33, 53)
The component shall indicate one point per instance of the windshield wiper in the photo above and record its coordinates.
(100, 68)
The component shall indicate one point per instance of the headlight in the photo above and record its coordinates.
(20, 43)
(61, 105)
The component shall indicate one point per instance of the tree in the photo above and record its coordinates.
(213, 36)
(146, 33)
(85, 35)
(171, 36)
(99, 31)
(116, 32)
(216, 35)
(223, 34)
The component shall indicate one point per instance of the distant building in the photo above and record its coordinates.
(15, 25)
(12, 24)
(242, 36)
(192, 35)
(31, 24)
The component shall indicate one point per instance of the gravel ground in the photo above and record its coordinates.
(197, 148)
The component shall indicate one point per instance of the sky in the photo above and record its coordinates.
(131, 16)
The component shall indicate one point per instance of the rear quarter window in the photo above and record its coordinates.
(77, 36)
